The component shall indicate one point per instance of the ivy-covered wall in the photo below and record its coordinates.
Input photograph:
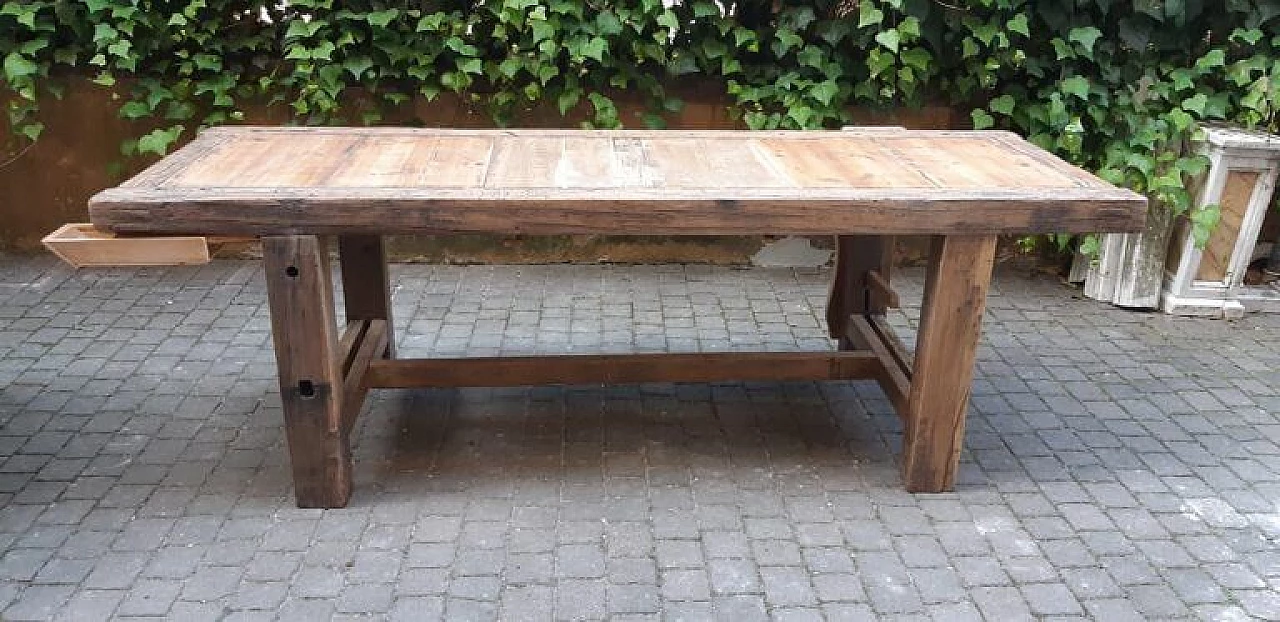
(1114, 85)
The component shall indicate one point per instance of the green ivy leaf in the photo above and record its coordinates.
(810, 56)
(18, 66)
(381, 19)
(868, 14)
(1203, 221)
(1195, 103)
(567, 99)
(356, 66)
(1086, 36)
(981, 120)
(595, 48)
(1077, 86)
(824, 92)
(1019, 25)
(1003, 104)
(1213, 58)
(889, 39)
(159, 141)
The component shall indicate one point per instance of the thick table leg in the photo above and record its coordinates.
(366, 282)
(955, 294)
(300, 292)
(851, 291)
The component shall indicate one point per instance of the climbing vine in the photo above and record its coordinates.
(1116, 86)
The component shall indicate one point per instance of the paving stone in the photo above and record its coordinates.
(1112, 469)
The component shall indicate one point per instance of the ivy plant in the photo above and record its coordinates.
(1119, 87)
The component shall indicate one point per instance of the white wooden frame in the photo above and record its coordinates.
(1230, 151)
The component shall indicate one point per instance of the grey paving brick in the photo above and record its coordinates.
(1110, 471)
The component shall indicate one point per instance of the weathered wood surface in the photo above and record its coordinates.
(366, 284)
(261, 181)
(623, 368)
(370, 344)
(303, 327)
(955, 295)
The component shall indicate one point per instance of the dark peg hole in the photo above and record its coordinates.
(291, 272)
(306, 388)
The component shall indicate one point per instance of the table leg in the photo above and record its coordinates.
(955, 294)
(300, 293)
(851, 293)
(366, 282)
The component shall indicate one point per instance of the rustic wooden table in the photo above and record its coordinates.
(293, 185)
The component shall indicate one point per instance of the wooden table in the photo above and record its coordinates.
(291, 186)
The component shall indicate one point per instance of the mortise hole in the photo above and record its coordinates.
(306, 388)
(291, 272)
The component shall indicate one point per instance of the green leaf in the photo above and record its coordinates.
(1195, 103)
(868, 14)
(705, 8)
(159, 141)
(18, 66)
(470, 65)
(1086, 36)
(595, 48)
(607, 23)
(546, 73)
(889, 39)
(135, 110)
(824, 91)
(1213, 58)
(567, 100)
(380, 19)
(510, 66)
(1203, 221)
(1003, 104)
(918, 58)
(356, 66)
(1019, 25)
(810, 56)
(981, 120)
(32, 130)
(542, 30)
(1077, 86)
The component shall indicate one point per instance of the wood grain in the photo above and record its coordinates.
(262, 181)
(955, 294)
(300, 294)
(622, 368)
(370, 346)
(1215, 259)
(893, 379)
(366, 283)
(852, 292)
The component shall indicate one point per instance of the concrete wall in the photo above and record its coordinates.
(49, 183)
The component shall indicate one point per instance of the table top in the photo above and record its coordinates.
(242, 180)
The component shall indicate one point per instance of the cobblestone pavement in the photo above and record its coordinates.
(1117, 465)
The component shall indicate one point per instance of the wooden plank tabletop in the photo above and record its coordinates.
(260, 180)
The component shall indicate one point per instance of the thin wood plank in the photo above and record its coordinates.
(81, 245)
(303, 328)
(366, 282)
(892, 378)
(892, 342)
(955, 295)
(373, 343)
(621, 369)
(348, 341)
